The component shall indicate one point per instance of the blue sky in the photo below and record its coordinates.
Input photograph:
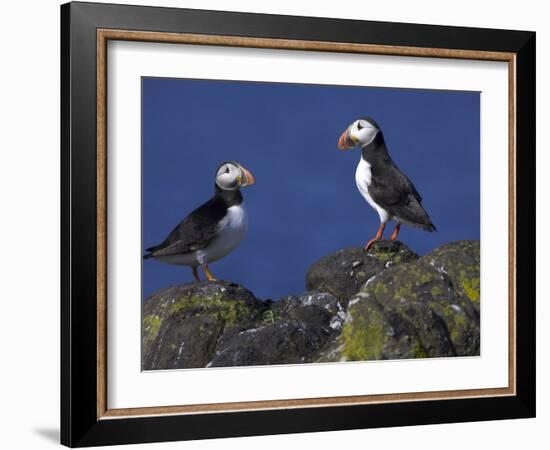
(305, 203)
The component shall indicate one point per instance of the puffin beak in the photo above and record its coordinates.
(346, 141)
(247, 178)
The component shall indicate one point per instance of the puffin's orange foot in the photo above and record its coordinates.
(395, 232)
(208, 274)
(376, 238)
(369, 244)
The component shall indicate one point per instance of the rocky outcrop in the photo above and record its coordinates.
(292, 330)
(344, 272)
(460, 262)
(183, 325)
(385, 304)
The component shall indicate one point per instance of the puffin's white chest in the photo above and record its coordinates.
(363, 179)
(231, 231)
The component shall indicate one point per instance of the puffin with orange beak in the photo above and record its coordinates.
(381, 183)
(214, 229)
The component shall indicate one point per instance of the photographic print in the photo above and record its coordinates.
(301, 223)
(293, 200)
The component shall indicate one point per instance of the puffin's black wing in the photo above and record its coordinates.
(194, 232)
(393, 191)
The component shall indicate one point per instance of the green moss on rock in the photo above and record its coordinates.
(471, 287)
(182, 324)
(420, 351)
(150, 329)
(227, 310)
(392, 252)
(423, 295)
(365, 333)
(370, 333)
(460, 261)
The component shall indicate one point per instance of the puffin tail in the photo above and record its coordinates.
(430, 227)
(150, 251)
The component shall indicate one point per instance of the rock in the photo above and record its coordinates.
(182, 324)
(413, 310)
(284, 342)
(390, 253)
(289, 305)
(460, 261)
(292, 331)
(332, 351)
(344, 272)
(369, 334)
(300, 307)
(384, 304)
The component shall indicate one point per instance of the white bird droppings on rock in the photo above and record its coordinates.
(370, 280)
(357, 298)
(180, 349)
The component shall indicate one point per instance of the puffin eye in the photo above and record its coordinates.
(359, 127)
(226, 169)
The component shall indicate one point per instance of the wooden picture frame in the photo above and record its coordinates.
(86, 418)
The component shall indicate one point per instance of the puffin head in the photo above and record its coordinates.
(231, 176)
(359, 134)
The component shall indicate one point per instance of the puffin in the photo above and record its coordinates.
(383, 185)
(214, 229)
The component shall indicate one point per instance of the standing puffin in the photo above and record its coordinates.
(381, 183)
(212, 230)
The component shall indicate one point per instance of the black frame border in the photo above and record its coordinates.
(79, 423)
